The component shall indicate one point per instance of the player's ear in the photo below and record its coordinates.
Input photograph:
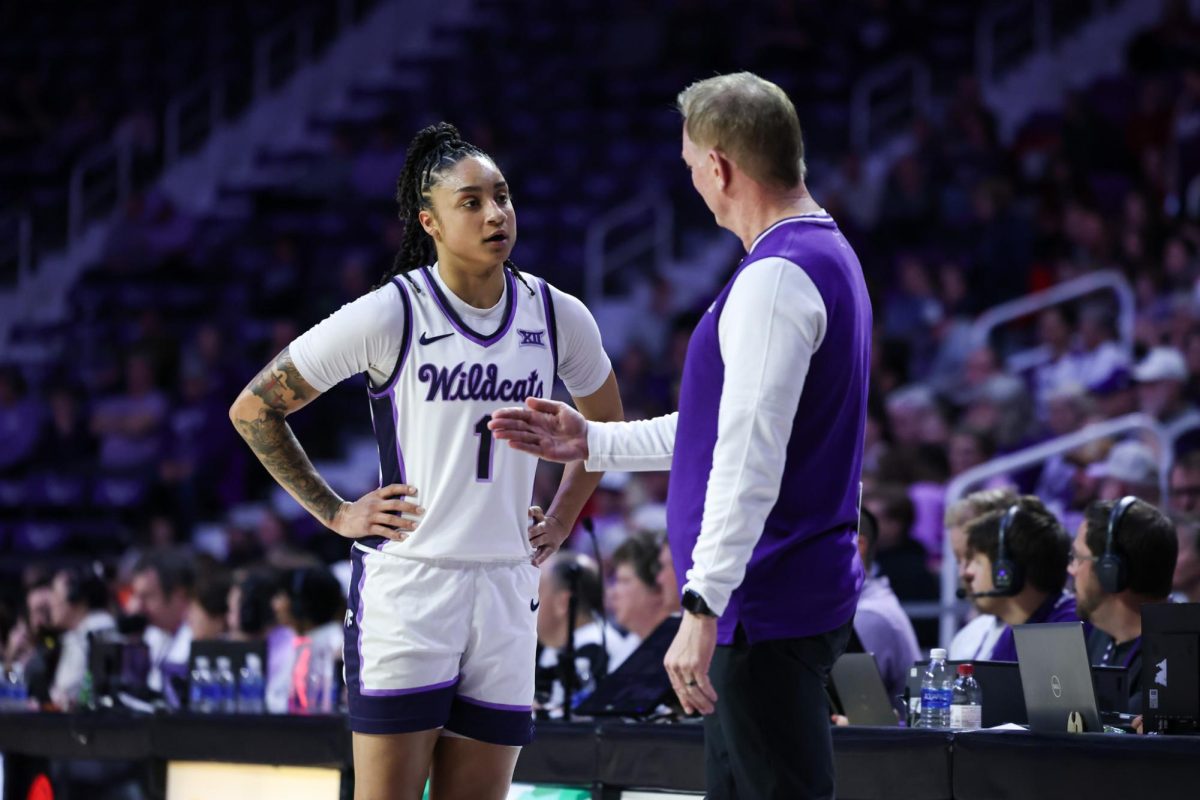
(430, 223)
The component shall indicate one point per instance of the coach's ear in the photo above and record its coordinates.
(722, 168)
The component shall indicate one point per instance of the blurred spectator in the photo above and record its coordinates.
(977, 638)
(34, 642)
(913, 415)
(1067, 409)
(312, 605)
(161, 591)
(67, 431)
(1185, 584)
(252, 618)
(377, 165)
(1129, 468)
(857, 192)
(1146, 542)
(635, 595)
(901, 559)
(1036, 545)
(1001, 407)
(1161, 378)
(209, 610)
(969, 448)
(879, 622)
(608, 514)
(590, 631)
(79, 606)
(1185, 485)
(20, 422)
(667, 580)
(1055, 333)
(913, 311)
(130, 425)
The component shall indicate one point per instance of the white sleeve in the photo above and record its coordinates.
(645, 445)
(364, 335)
(582, 363)
(772, 323)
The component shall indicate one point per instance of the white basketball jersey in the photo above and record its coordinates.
(431, 421)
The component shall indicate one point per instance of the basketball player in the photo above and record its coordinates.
(440, 635)
(765, 453)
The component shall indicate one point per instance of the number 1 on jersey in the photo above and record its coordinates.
(483, 464)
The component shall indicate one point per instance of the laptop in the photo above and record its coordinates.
(860, 691)
(640, 685)
(1056, 676)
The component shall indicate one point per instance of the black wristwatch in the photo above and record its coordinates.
(694, 603)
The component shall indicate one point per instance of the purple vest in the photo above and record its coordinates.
(804, 575)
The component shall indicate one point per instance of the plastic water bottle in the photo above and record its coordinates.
(966, 709)
(201, 691)
(319, 680)
(251, 686)
(6, 692)
(225, 685)
(18, 690)
(937, 689)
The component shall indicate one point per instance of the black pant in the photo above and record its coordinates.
(769, 738)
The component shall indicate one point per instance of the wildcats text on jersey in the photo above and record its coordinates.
(477, 382)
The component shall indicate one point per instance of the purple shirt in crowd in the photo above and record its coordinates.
(886, 631)
(1056, 608)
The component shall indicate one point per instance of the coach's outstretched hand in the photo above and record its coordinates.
(378, 513)
(545, 428)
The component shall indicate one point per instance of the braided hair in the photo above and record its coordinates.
(433, 150)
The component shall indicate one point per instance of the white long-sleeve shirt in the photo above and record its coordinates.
(773, 322)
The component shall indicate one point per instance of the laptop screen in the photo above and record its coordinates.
(1056, 676)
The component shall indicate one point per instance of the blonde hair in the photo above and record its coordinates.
(977, 505)
(749, 119)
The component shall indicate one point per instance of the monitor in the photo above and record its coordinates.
(1170, 667)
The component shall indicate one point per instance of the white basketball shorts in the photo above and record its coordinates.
(438, 646)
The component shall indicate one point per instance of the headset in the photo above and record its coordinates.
(1111, 568)
(1007, 576)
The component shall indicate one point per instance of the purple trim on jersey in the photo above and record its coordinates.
(390, 471)
(551, 323)
(396, 427)
(433, 687)
(494, 706)
(501, 725)
(405, 343)
(510, 310)
(402, 714)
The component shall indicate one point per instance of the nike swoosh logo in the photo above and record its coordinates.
(534, 605)
(427, 339)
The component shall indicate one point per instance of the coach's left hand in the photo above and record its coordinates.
(688, 660)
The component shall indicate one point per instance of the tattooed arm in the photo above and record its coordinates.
(258, 415)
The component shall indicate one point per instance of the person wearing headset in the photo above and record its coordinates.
(1016, 569)
(1123, 557)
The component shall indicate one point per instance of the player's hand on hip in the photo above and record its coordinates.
(688, 660)
(545, 428)
(383, 512)
(546, 534)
